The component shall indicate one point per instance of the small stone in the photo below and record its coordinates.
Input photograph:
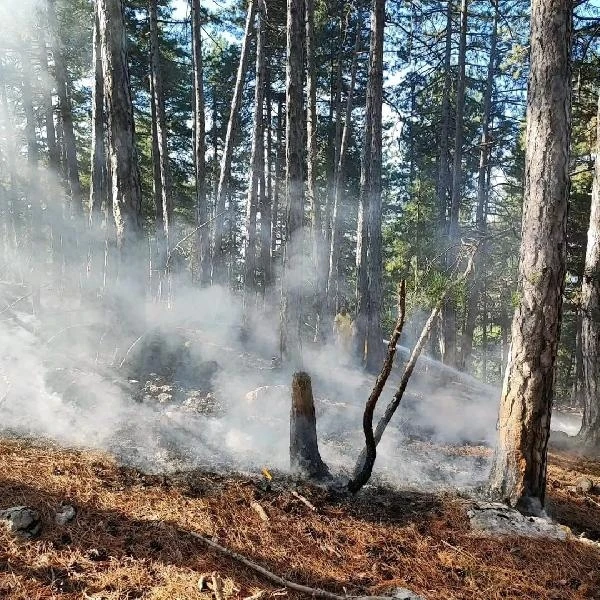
(584, 485)
(405, 594)
(65, 514)
(164, 398)
(22, 520)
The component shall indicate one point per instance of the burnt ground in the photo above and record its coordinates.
(129, 538)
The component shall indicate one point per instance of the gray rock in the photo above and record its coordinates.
(584, 485)
(494, 518)
(65, 514)
(22, 520)
(406, 594)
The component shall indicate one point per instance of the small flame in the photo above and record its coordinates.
(267, 473)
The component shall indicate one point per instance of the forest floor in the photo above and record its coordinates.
(130, 536)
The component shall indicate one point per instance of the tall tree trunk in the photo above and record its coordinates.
(125, 177)
(333, 276)
(266, 207)
(161, 119)
(258, 155)
(577, 362)
(518, 475)
(277, 227)
(590, 321)
(64, 106)
(220, 252)
(291, 310)
(443, 179)
(375, 346)
(53, 156)
(37, 257)
(449, 314)
(98, 157)
(314, 207)
(202, 236)
(485, 151)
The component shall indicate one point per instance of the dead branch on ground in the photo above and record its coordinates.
(303, 589)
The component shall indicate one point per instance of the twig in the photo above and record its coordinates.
(304, 500)
(593, 501)
(188, 236)
(135, 343)
(303, 589)
(362, 476)
(259, 510)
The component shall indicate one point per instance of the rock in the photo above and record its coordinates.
(405, 594)
(494, 518)
(65, 514)
(22, 520)
(584, 485)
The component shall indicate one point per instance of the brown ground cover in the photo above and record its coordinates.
(129, 538)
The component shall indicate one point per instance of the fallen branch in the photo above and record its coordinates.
(362, 476)
(408, 371)
(304, 500)
(303, 589)
(188, 236)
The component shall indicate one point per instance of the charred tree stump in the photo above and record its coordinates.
(305, 458)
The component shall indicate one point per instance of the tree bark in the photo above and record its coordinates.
(125, 177)
(375, 347)
(64, 106)
(443, 180)
(590, 317)
(220, 252)
(518, 475)
(314, 207)
(98, 156)
(203, 235)
(305, 458)
(160, 130)
(257, 157)
(485, 151)
(53, 156)
(449, 313)
(266, 207)
(291, 310)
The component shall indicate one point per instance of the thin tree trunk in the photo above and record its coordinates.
(485, 151)
(443, 180)
(375, 347)
(258, 155)
(333, 278)
(53, 156)
(578, 362)
(590, 322)
(518, 475)
(449, 313)
(220, 252)
(291, 309)
(32, 191)
(276, 230)
(314, 207)
(98, 156)
(266, 207)
(64, 105)
(203, 236)
(125, 177)
(161, 124)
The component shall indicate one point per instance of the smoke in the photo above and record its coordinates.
(70, 363)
